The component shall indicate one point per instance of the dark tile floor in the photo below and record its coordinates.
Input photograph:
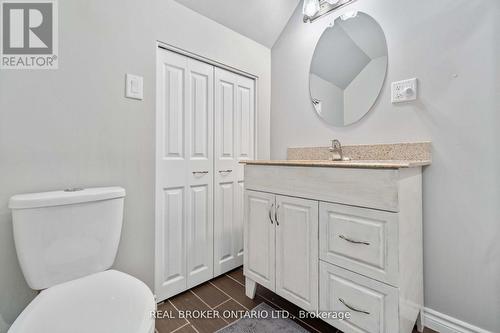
(226, 292)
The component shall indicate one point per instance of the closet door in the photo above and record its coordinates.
(234, 141)
(184, 194)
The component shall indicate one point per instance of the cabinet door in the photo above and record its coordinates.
(184, 172)
(234, 137)
(260, 238)
(297, 251)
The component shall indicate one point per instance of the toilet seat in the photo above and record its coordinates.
(105, 302)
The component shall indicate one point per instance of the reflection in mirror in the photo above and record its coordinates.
(348, 69)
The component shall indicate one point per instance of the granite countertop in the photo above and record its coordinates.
(373, 156)
(363, 164)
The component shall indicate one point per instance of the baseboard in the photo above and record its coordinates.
(442, 323)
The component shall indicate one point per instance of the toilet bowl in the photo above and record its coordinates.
(66, 242)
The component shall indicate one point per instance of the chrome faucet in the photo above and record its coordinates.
(336, 150)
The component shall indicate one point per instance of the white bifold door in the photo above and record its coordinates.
(234, 137)
(204, 126)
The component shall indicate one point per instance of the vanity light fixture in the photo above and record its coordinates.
(310, 8)
(349, 15)
(314, 9)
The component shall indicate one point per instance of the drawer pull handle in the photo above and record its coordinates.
(276, 215)
(352, 307)
(225, 171)
(270, 217)
(200, 172)
(353, 241)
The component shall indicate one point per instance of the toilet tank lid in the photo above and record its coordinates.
(65, 197)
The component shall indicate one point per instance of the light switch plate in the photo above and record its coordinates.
(134, 87)
(404, 91)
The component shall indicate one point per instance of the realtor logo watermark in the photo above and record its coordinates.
(29, 34)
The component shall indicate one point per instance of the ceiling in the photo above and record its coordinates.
(260, 20)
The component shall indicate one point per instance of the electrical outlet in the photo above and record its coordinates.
(404, 91)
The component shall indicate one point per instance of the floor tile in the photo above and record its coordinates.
(230, 310)
(186, 329)
(167, 325)
(210, 294)
(226, 293)
(236, 291)
(237, 274)
(188, 301)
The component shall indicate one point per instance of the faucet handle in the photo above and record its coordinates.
(336, 144)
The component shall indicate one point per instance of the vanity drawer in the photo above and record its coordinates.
(362, 240)
(373, 305)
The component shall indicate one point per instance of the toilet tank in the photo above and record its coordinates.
(64, 235)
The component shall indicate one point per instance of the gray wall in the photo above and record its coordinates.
(73, 127)
(431, 40)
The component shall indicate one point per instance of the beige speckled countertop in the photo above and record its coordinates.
(376, 156)
(363, 164)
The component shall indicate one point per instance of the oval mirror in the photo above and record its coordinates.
(348, 69)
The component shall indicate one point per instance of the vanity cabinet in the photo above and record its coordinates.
(338, 239)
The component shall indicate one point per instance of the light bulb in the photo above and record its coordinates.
(349, 15)
(310, 8)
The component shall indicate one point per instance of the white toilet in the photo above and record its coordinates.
(66, 241)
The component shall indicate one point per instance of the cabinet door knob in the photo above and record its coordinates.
(276, 215)
(353, 241)
(200, 172)
(225, 171)
(270, 217)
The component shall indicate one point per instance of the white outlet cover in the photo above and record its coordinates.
(404, 91)
(134, 87)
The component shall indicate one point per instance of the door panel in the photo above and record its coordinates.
(172, 246)
(297, 251)
(199, 237)
(260, 238)
(239, 223)
(184, 238)
(234, 128)
(225, 205)
(173, 82)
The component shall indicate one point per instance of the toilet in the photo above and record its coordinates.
(66, 243)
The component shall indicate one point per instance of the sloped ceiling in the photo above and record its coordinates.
(260, 20)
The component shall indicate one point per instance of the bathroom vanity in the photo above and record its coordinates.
(338, 236)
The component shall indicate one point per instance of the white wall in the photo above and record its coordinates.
(331, 97)
(433, 41)
(363, 90)
(73, 127)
